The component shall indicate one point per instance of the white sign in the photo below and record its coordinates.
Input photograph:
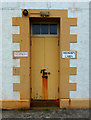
(68, 54)
(20, 54)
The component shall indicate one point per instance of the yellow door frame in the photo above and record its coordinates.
(24, 39)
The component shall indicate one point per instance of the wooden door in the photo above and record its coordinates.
(44, 55)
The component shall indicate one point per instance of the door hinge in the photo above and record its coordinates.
(58, 89)
(30, 42)
(58, 42)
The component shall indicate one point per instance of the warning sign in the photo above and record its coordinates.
(68, 54)
(20, 54)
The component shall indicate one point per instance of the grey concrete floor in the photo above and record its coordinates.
(41, 114)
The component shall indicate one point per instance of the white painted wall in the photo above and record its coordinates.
(0, 52)
(79, 10)
(82, 47)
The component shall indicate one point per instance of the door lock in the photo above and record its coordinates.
(44, 73)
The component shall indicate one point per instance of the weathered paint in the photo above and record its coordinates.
(75, 103)
(45, 88)
(44, 54)
(79, 10)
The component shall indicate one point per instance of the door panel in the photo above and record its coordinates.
(44, 55)
(37, 63)
(51, 62)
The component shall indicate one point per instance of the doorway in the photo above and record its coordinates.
(24, 38)
(44, 59)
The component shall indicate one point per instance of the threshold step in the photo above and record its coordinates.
(44, 103)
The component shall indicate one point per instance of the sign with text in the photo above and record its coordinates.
(20, 54)
(68, 54)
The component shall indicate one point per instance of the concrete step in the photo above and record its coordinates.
(44, 103)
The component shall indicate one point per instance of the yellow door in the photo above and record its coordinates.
(44, 55)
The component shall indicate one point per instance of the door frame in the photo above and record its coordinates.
(24, 39)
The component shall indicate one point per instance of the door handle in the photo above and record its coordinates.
(44, 72)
